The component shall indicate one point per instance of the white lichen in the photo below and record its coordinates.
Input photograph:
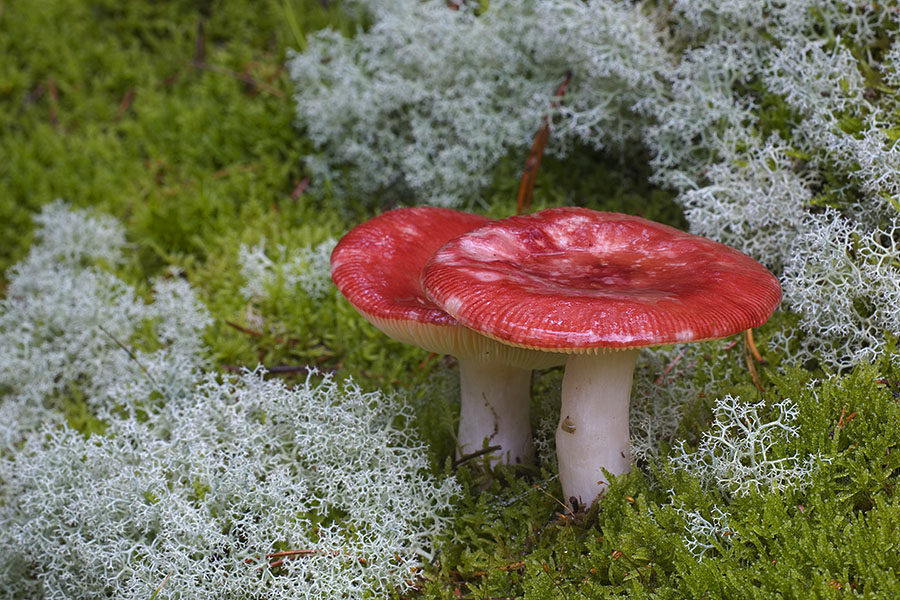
(845, 285)
(69, 327)
(427, 100)
(307, 269)
(196, 482)
(703, 533)
(197, 495)
(745, 451)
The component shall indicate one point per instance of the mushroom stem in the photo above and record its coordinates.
(593, 425)
(494, 410)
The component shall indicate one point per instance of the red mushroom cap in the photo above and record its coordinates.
(377, 266)
(579, 280)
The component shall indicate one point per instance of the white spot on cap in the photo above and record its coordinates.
(452, 305)
(684, 336)
(408, 230)
(487, 275)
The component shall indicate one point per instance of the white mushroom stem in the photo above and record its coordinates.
(494, 410)
(593, 426)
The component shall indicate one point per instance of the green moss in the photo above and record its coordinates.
(181, 129)
(831, 538)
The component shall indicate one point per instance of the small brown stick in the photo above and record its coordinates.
(301, 187)
(669, 368)
(289, 369)
(290, 553)
(294, 554)
(748, 338)
(53, 94)
(475, 574)
(243, 329)
(169, 81)
(529, 176)
(468, 457)
(131, 355)
(238, 169)
(426, 360)
(558, 501)
(842, 421)
(156, 593)
(200, 42)
(751, 366)
(34, 95)
(257, 334)
(125, 104)
(245, 77)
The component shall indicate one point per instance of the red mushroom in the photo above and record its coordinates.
(597, 286)
(377, 267)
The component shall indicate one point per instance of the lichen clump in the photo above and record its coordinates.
(191, 482)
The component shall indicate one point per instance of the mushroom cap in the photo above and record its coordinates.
(576, 280)
(377, 266)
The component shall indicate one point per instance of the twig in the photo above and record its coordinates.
(301, 187)
(427, 359)
(131, 355)
(169, 80)
(53, 94)
(558, 501)
(238, 169)
(156, 593)
(258, 334)
(529, 176)
(748, 337)
(200, 42)
(290, 369)
(125, 104)
(243, 329)
(617, 554)
(34, 95)
(751, 366)
(842, 421)
(476, 574)
(669, 368)
(467, 457)
(244, 77)
(552, 580)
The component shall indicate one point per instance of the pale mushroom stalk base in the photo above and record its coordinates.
(593, 425)
(494, 410)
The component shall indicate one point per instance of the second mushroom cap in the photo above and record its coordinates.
(576, 280)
